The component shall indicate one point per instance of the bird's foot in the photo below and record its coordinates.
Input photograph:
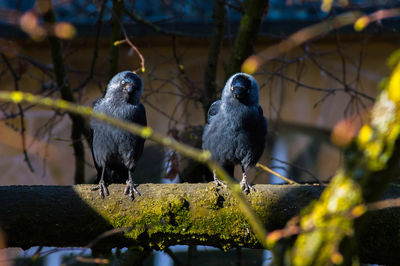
(245, 186)
(131, 190)
(102, 187)
(218, 183)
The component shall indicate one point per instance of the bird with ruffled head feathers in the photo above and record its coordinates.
(116, 151)
(235, 131)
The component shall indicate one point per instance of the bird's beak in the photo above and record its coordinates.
(129, 89)
(239, 92)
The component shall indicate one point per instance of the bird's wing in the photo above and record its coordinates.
(98, 168)
(141, 115)
(260, 110)
(213, 110)
(261, 113)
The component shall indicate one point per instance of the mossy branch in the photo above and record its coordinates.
(146, 132)
(169, 214)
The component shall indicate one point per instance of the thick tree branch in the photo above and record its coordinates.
(169, 214)
(247, 34)
(210, 73)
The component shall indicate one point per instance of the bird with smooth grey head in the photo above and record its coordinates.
(116, 151)
(235, 131)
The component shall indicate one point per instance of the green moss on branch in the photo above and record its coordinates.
(169, 214)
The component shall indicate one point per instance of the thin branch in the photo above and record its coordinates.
(298, 167)
(95, 49)
(21, 113)
(126, 40)
(298, 38)
(269, 170)
(329, 91)
(136, 17)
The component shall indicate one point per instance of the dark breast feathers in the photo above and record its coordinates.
(114, 147)
(235, 134)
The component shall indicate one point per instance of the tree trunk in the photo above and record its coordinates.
(170, 214)
(246, 35)
(79, 126)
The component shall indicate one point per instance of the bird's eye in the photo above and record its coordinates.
(123, 82)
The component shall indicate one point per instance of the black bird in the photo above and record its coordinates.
(117, 151)
(235, 131)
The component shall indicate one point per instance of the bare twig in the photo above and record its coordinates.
(136, 17)
(254, 62)
(95, 49)
(126, 40)
(269, 170)
(21, 113)
(298, 167)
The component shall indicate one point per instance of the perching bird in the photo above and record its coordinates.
(235, 132)
(117, 151)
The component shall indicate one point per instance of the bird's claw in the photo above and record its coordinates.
(101, 187)
(246, 187)
(131, 189)
(218, 183)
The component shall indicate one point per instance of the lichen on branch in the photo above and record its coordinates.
(370, 164)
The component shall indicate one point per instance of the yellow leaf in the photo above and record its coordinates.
(394, 85)
(358, 211)
(337, 258)
(361, 23)
(365, 135)
(394, 58)
(146, 132)
(16, 96)
(326, 5)
(250, 65)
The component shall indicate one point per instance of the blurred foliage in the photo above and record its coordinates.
(369, 164)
